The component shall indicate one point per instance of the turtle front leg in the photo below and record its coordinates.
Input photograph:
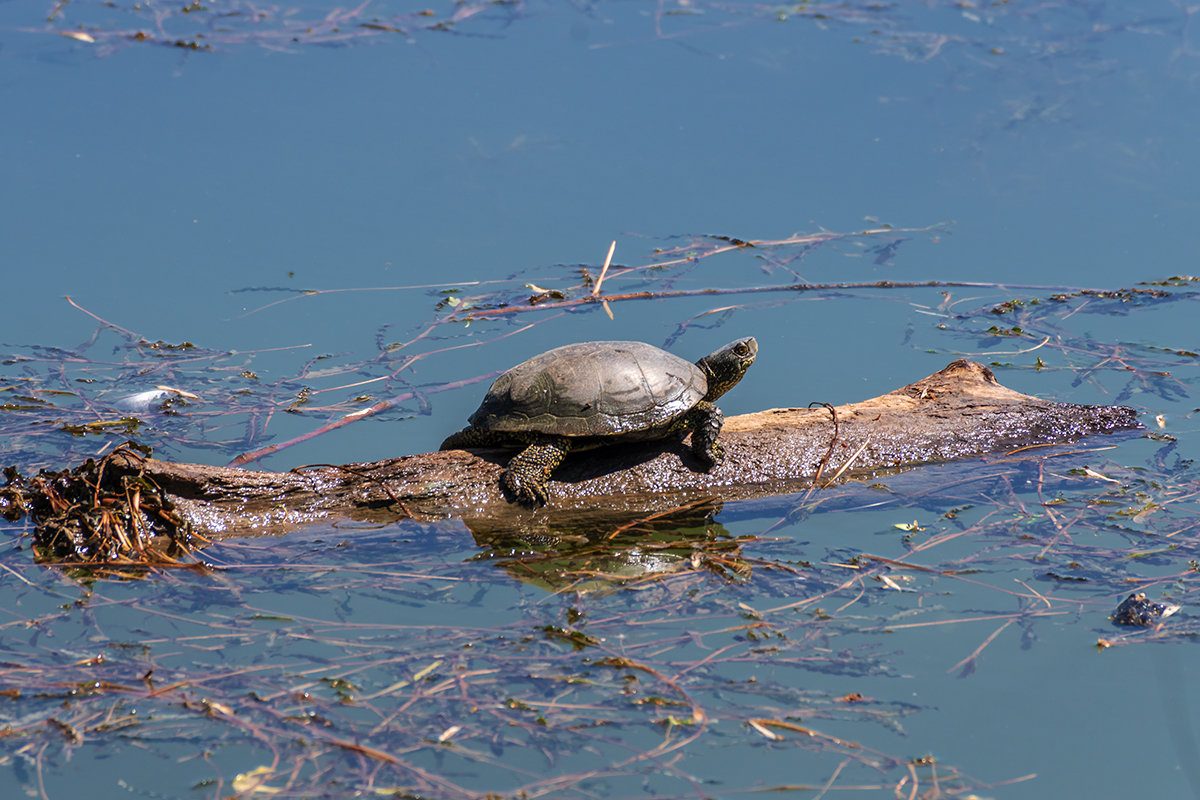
(706, 420)
(530, 470)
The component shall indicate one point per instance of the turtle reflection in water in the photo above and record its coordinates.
(599, 393)
(1138, 610)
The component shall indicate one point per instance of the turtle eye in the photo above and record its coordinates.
(741, 349)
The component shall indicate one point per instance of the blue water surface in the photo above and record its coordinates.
(294, 187)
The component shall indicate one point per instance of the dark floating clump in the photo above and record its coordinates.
(99, 514)
(1138, 610)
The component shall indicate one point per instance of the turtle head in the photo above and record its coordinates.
(726, 366)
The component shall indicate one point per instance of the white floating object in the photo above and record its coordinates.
(150, 399)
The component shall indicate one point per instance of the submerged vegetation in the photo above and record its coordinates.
(625, 657)
(656, 649)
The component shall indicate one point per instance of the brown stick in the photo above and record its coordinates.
(591, 299)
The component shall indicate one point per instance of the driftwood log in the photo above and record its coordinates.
(959, 412)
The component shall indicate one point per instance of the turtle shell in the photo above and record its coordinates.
(624, 389)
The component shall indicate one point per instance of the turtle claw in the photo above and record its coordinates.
(530, 470)
(712, 455)
(526, 493)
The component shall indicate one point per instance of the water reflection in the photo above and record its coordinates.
(623, 550)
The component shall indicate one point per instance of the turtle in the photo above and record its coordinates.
(594, 394)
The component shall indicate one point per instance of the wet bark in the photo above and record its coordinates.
(957, 413)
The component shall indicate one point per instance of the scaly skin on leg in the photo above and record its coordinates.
(530, 470)
(705, 421)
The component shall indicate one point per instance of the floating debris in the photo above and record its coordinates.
(1138, 610)
(152, 399)
(99, 514)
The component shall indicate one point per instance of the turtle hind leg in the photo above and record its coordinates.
(529, 471)
(705, 421)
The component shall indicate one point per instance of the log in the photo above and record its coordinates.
(960, 412)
